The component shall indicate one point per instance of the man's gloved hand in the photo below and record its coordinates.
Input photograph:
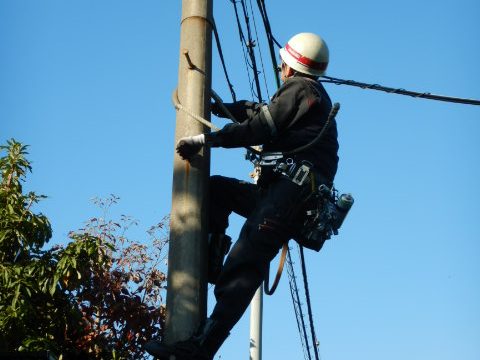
(190, 145)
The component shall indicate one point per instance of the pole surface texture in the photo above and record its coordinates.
(186, 284)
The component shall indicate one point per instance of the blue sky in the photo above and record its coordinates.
(87, 85)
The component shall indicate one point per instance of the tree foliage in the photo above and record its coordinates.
(98, 297)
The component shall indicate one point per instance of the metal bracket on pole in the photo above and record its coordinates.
(191, 65)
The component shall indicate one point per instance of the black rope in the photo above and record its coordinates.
(220, 53)
(309, 305)
(390, 90)
(297, 307)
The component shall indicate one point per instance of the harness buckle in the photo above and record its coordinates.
(301, 174)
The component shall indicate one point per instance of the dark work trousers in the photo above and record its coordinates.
(246, 265)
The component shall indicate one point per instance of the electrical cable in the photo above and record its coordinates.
(259, 47)
(297, 306)
(270, 39)
(309, 305)
(220, 53)
(244, 44)
(250, 46)
(399, 91)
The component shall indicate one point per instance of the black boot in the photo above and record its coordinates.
(201, 346)
(218, 247)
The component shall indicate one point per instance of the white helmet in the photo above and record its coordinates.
(306, 53)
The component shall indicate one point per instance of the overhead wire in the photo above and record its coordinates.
(390, 90)
(259, 47)
(315, 343)
(222, 60)
(250, 46)
(362, 85)
(270, 39)
(244, 43)
(297, 307)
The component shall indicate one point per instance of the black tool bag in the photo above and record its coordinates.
(324, 215)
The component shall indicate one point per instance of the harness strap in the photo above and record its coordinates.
(268, 117)
(266, 287)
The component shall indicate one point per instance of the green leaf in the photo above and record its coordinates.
(17, 294)
(53, 287)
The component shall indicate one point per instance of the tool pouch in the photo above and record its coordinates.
(325, 213)
(218, 247)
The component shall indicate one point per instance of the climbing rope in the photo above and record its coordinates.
(179, 107)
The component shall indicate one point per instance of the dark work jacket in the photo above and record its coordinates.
(299, 110)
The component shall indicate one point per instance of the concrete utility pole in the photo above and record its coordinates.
(187, 288)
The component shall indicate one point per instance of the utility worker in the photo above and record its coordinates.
(296, 114)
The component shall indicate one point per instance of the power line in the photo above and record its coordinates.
(220, 53)
(309, 305)
(399, 91)
(270, 39)
(297, 307)
(425, 95)
(259, 50)
(250, 46)
(244, 44)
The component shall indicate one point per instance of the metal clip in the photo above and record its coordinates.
(301, 174)
(270, 159)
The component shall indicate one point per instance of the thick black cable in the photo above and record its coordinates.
(309, 305)
(259, 47)
(270, 38)
(244, 43)
(250, 46)
(400, 91)
(297, 306)
(222, 59)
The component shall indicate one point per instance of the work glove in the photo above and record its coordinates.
(190, 145)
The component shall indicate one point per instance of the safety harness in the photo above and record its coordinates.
(325, 210)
